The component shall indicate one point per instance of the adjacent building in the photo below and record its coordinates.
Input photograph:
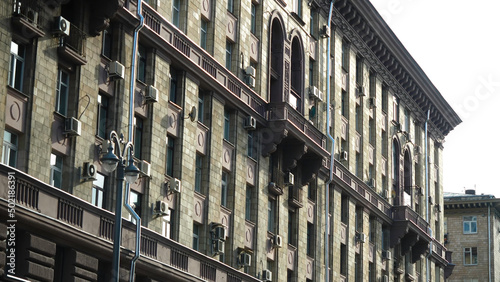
(472, 228)
(230, 113)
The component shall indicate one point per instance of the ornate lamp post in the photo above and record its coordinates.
(130, 173)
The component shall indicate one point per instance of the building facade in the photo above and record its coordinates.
(472, 227)
(230, 112)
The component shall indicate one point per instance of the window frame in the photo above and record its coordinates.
(8, 147)
(472, 252)
(142, 63)
(16, 75)
(138, 136)
(229, 55)
(469, 223)
(102, 115)
(62, 94)
(98, 192)
(198, 173)
(176, 12)
(203, 34)
(224, 188)
(56, 168)
(169, 164)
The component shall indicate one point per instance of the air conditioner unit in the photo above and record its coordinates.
(325, 31)
(161, 208)
(245, 259)
(417, 150)
(145, 168)
(89, 171)
(277, 241)
(267, 275)
(360, 237)
(151, 94)
(72, 127)
(61, 26)
(314, 92)
(250, 71)
(385, 278)
(360, 91)
(385, 194)
(218, 246)
(431, 200)
(251, 81)
(250, 123)
(372, 102)
(220, 233)
(397, 127)
(343, 156)
(386, 255)
(289, 179)
(116, 70)
(174, 186)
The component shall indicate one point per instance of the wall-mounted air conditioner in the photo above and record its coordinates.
(386, 255)
(289, 179)
(116, 70)
(89, 171)
(144, 167)
(151, 95)
(250, 71)
(267, 275)
(61, 26)
(245, 259)
(72, 127)
(325, 31)
(250, 123)
(174, 186)
(161, 208)
(277, 241)
(218, 246)
(343, 155)
(360, 237)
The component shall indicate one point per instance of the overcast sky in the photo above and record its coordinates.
(457, 44)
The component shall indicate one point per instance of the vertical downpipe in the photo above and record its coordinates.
(489, 243)
(332, 159)
(130, 138)
(428, 266)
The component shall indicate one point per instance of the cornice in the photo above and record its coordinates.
(382, 50)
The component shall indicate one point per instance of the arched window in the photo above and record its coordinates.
(276, 68)
(407, 179)
(297, 75)
(396, 193)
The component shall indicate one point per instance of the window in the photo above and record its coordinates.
(385, 98)
(196, 237)
(176, 9)
(251, 144)
(371, 131)
(173, 85)
(292, 230)
(395, 109)
(297, 7)
(312, 22)
(98, 190)
(271, 210)
(62, 92)
(311, 72)
(470, 256)
(344, 208)
(230, 6)
(470, 224)
(227, 124)
(344, 104)
(201, 107)
(135, 202)
(170, 157)
(345, 55)
(223, 196)
(343, 260)
(229, 56)
(56, 167)
(142, 60)
(203, 34)
(16, 70)
(166, 224)
(107, 41)
(9, 149)
(358, 119)
(407, 120)
(359, 71)
(102, 115)
(198, 171)
(310, 240)
(139, 127)
(372, 231)
(253, 21)
(248, 203)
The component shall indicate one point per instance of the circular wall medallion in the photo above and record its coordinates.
(227, 156)
(15, 111)
(205, 5)
(197, 208)
(248, 236)
(230, 27)
(201, 139)
(250, 172)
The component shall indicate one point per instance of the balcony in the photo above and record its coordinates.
(411, 231)
(165, 36)
(68, 221)
(27, 19)
(72, 47)
(299, 138)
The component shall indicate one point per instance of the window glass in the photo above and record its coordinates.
(98, 190)
(141, 70)
(102, 117)
(62, 92)
(203, 34)
(56, 166)
(223, 198)
(470, 224)
(9, 149)
(16, 70)
(176, 8)
(170, 157)
(139, 126)
(198, 171)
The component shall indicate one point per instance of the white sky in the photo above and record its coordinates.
(457, 44)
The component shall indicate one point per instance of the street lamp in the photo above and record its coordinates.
(130, 173)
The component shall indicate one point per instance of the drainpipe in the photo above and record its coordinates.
(428, 265)
(332, 160)
(130, 136)
(489, 242)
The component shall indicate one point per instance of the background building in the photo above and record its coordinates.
(472, 227)
(230, 122)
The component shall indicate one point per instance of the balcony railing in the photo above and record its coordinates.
(405, 213)
(28, 17)
(44, 208)
(172, 39)
(72, 47)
